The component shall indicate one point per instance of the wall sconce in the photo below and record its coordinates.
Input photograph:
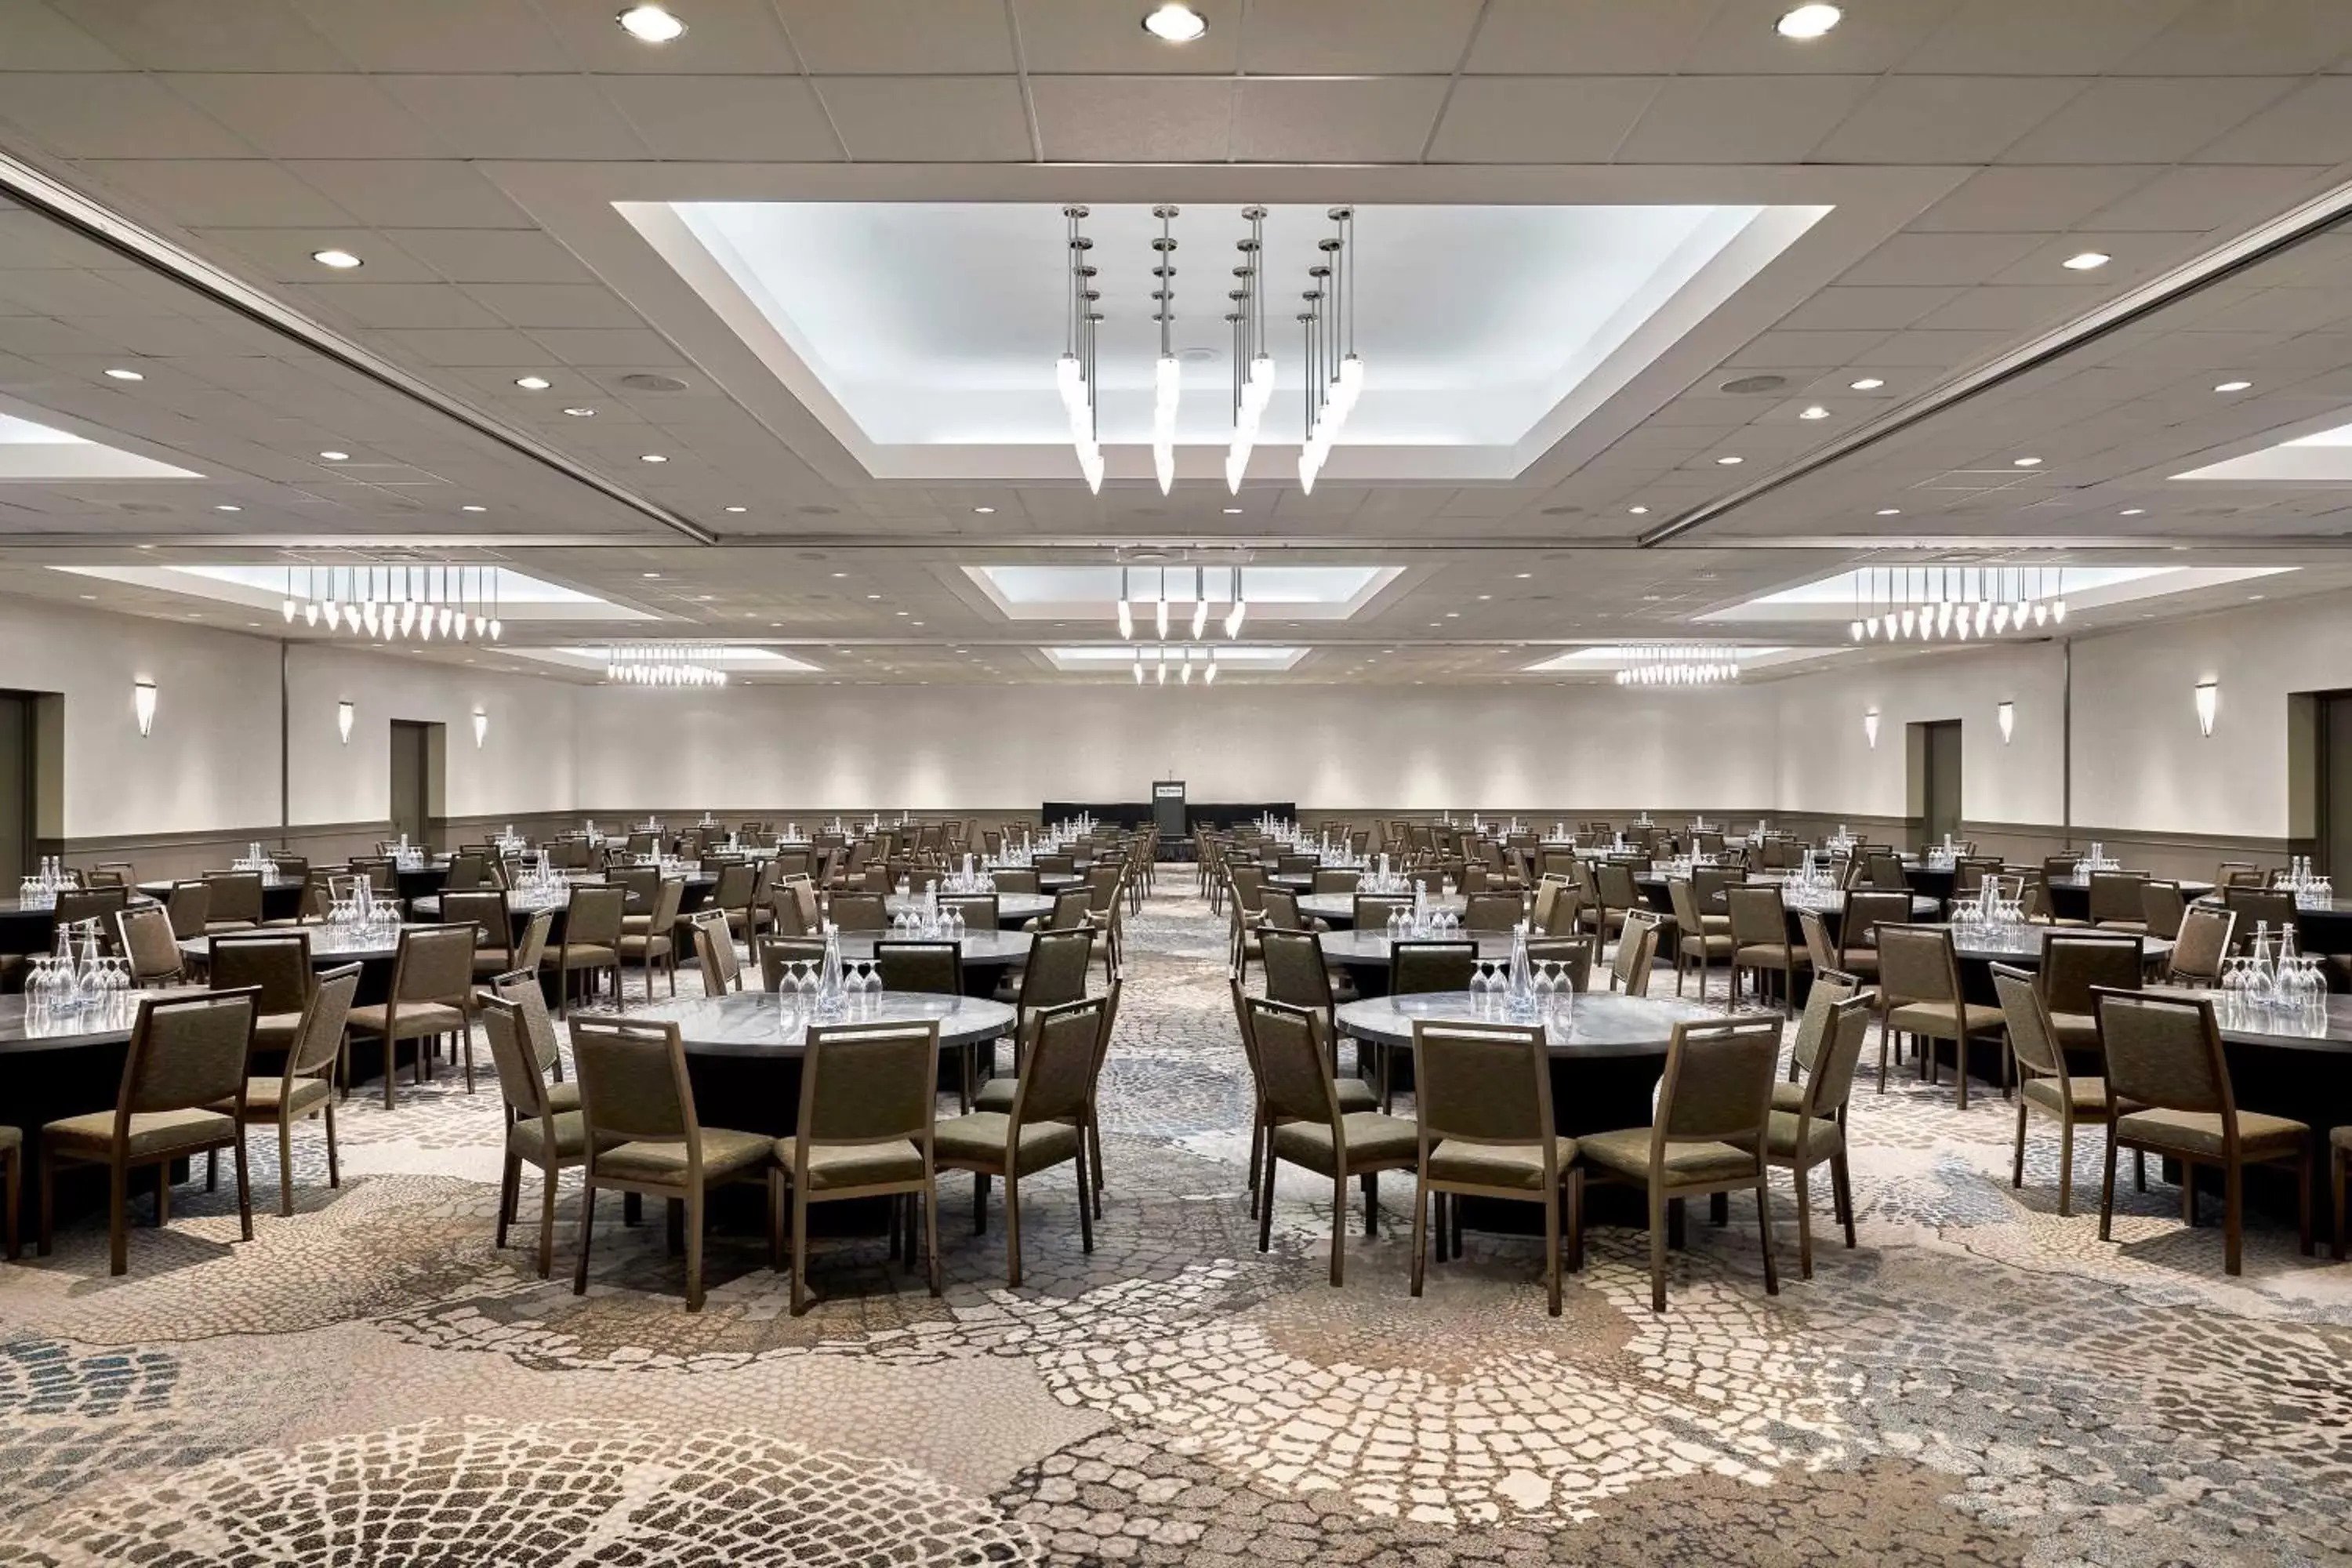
(2007, 714)
(2208, 698)
(481, 728)
(1870, 727)
(343, 721)
(142, 703)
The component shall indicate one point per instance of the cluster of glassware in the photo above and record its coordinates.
(927, 918)
(1942, 857)
(509, 842)
(1989, 915)
(538, 882)
(1811, 885)
(1383, 878)
(77, 982)
(2098, 859)
(255, 858)
(1842, 842)
(353, 906)
(406, 855)
(968, 878)
(39, 890)
(1684, 864)
(2270, 981)
(1424, 919)
(2311, 890)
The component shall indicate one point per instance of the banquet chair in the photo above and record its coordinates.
(1045, 1125)
(485, 912)
(1865, 911)
(867, 1128)
(1055, 975)
(1885, 873)
(1307, 1126)
(1921, 996)
(860, 912)
(2237, 874)
(1353, 1093)
(467, 870)
(303, 1087)
(1493, 912)
(2258, 907)
(1695, 946)
(2161, 909)
(2116, 902)
(1337, 880)
(2044, 1082)
(432, 995)
(1637, 951)
(186, 1058)
(1759, 933)
(2165, 1062)
(2074, 964)
(782, 956)
(235, 900)
(1372, 910)
(1572, 956)
(714, 951)
(145, 934)
(1807, 1128)
(591, 943)
(980, 911)
(74, 905)
(277, 965)
(189, 906)
(1616, 895)
(114, 874)
(2202, 943)
(1708, 886)
(1707, 1135)
(657, 942)
(1295, 972)
(737, 893)
(640, 1134)
(1014, 880)
(1483, 1123)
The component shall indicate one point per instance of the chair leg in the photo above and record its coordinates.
(2017, 1166)
(1657, 1251)
(2140, 1170)
(2108, 1188)
(2303, 1201)
(1265, 1202)
(1764, 1225)
(212, 1170)
(285, 1168)
(1338, 1226)
(2341, 1159)
(2232, 1228)
(929, 1203)
(587, 1225)
(244, 1190)
(1841, 1193)
(1551, 1250)
(693, 1226)
(334, 1166)
(1094, 1158)
(1012, 1229)
(1422, 1198)
(800, 1251)
(2065, 1162)
(1085, 1202)
(16, 1191)
(1576, 1218)
(1883, 1032)
(546, 1220)
(163, 1194)
(117, 1222)
(1371, 1183)
(1804, 1221)
(467, 1035)
(1258, 1149)
(510, 1184)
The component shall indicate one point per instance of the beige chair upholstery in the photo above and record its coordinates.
(1482, 1109)
(304, 1087)
(432, 995)
(1307, 1127)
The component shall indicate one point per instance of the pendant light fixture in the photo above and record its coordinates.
(1160, 610)
(1167, 372)
(394, 602)
(1073, 373)
(1335, 375)
(1895, 603)
(1241, 607)
(1126, 609)
(1200, 602)
(1253, 365)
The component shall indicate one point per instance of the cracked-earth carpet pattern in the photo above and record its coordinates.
(373, 1381)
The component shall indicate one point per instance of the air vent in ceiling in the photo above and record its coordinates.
(646, 381)
(1561, 510)
(1756, 383)
(818, 510)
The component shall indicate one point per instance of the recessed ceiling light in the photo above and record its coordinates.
(533, 382)
(652, 575)
(470, 506)
(738, 508)
(2133, 512)
(1808, 21)
(1453, 615)
(841, 573)
(653, 457)
(1639, 510)
(89, 595)
(873, 595)
(2025, 462)
(1523, 576)
(336, 457)
(581, 413)
(1483, 597)
(341, 260)
(898, 612)
(1232, 511)
(119, 373)
(650, 23)
(2085, 261)
(1174, 23)
(985, 510)
(1815, 412)
(1867, 384)
(1728, 462)
(702, 598)
(2233, 386)
(1890, 512)
(226, 507)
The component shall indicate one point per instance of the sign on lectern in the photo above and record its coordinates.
(1168, 808)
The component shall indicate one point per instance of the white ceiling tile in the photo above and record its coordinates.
(1741, 120)
(518, 116)
(2186, 200)
(1172, 119)
(1592, 37)
(2031, 200)
(726, 37)
(1921, 350)
(1940, 258)
(1367, 120)
(1383, 38)
(1873, 38)
(2145, 120)
(1806, 350)
(394, 304)
(725, 119)
(391, 194)
(599, 346)
(1537, 120)
(556, 305)
(437, 34)
(114, 115)
(1852, 309)
(2313, 125)
(463, 348)
(1944, 119)
(283, 255)
(900, 37)
(2251, 36)
(41, 40)
(923, 120)
(2138, 258)
(316, 116)
(492, 255)
(240, 192)
(2088, 38)
(1089, 37)
(213, 36)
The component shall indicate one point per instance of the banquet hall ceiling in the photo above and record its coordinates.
(176, 163)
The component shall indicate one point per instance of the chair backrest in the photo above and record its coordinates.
(2202, 942)
(935, 968)
(2058, 868)
(1294, 967)
(189, 906)
(633, 1087)
(1337, 880)
(591, 917)
(2163, 1051)
(1916, 965)
(114, 874)
(668, 900)
(2073, 962)
(1014, 880)
(434, 964)
(1829, 1082)
(1372, 910)
(1865, 911)
(467, 870)
(1418, 967)
(1482, 1083)
(784, 899)
(2254, 906)
(2237, 874)
(1707, 881)
(640, 882)
(739, 883)
(1758, 916)
(519, 987)
(1279, 906)
(1830, 987)
(237, 895)
(2031, 1034)
(485, 912)
(2162, 908)
(1884, 872)
(147, 940)
(777, 954)
(980, 910)
(382, 875)
(860, 912)
(1618, 890)
(1637, 950)
(100, 904)
(1293, 1082)
(1056, 971)
(714, 950)
(868, 1083)
(1493, 912)
(186, 1052)
(1717, 1085)
(1058, 1078)
(1818, 946)
(2115, 895)
(1573, 954)
(533, 945)
(274, 965)
(1070, 910)
(320, 1038)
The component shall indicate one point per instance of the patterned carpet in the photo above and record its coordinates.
(1980, 1382)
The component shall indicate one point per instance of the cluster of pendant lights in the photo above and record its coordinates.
(1899, 602)
(1677, 664)
(1183, 659)
(1335, 374)
(1233, 616)
(673, 664)
(454, 603)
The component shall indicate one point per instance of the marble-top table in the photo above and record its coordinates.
(1599, 1024)
(761, 1025)
(1012, 908)
(1340, 908)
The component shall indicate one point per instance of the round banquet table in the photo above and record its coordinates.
(2019, 947)
(2292, 1068)
(1364, 954)
(1012, 909)
(2070, 900)
(65, 1067)
(281, 897)
(743, 1049)
(1339, 908)
(1293, 881)
(2323, 928)
(1608, 1051)
(31, 930)
(987, 954)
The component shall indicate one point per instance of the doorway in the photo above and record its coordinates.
(19, 786)
(1935, 779)
(2331, 840)
(415, 778)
